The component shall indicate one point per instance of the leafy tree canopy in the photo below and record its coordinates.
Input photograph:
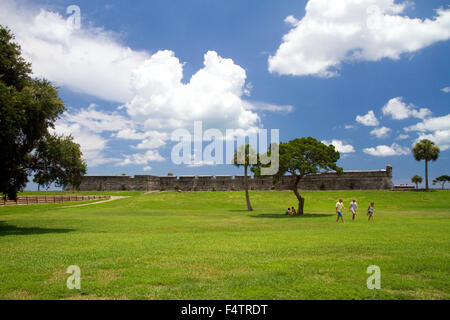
(28, 108)
(428, 151)
(301, 157)
(442, 180)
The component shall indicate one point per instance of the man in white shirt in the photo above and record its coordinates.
(353, 207)
(339, 209)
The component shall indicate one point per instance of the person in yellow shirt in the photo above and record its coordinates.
(339, 209)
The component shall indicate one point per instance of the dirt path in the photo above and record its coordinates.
(112, 198)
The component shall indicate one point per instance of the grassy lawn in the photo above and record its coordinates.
(206, 246)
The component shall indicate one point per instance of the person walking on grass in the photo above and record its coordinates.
(353, 207)
(339, 209)
(371, 211)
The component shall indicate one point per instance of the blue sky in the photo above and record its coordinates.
(333, 67)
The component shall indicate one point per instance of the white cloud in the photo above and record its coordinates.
(98, 121)
(141, 158)
(89, 60)
(154, 140)
(196, 164)
(387, 151)
(368, 120)
(380, 133)
(147, 168)
(446, 89)
(402, 137)
(92, 145)
(399, 110)
(432, 124)
(440, 137)
(333, 32)
(349, 126)
(340, 146)
(130, 134)
(213, 94)
(435, 129)
(262, 106)
(291, 20)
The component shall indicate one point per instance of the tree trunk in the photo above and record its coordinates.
(426, 175)
(301, 201)
(417, 186)
(247, 197)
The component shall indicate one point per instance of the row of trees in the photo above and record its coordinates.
(28, 110)
(439, 180)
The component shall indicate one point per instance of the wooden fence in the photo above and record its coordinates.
(28, 200)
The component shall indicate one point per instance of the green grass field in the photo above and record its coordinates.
(207, 246)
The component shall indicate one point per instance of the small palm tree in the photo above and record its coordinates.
(428, 151)
(245, 156)
(416, 179)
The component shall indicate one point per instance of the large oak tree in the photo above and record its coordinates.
(28, 109)
(301, 157)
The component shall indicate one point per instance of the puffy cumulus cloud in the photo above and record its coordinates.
(369, 120)
(340, 146)
(435, 129)
(399, 110)
(88, 60)
(382, 132)
(333, 32)
(213, 94)
(387, 151)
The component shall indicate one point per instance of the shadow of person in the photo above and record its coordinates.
(7, 230)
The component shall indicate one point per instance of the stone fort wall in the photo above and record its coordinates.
(349, 180)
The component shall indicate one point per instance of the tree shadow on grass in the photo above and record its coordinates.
(284, 216)
(7, 230)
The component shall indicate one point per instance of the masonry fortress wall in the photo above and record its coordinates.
(349, 180)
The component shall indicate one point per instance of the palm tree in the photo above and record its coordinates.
(428, 151)
(245, 156)
(416, 179)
